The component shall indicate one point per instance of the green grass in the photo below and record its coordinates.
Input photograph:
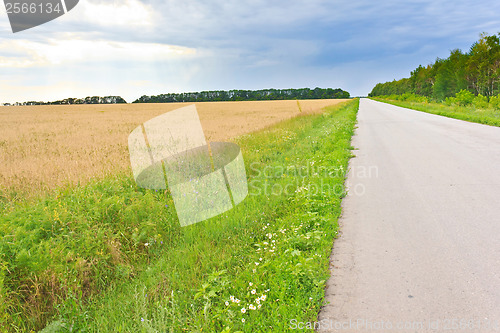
(470, 113)
(110, 257)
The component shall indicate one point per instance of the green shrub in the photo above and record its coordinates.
(408, 97)
(420, 99)
(464, 98)
(450, 101)
(481, 102)
(405, 97)
(495, 102)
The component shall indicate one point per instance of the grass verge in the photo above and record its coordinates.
(472, 114)
(109, 257)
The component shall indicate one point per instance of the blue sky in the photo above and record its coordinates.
(143, 47)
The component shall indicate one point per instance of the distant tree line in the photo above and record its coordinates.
(86, 100)
(477, 71)
(246, 95)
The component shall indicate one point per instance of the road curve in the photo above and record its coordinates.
(419, 249)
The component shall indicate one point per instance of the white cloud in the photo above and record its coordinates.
(26, 53)
(131, 14)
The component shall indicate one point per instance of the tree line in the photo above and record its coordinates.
(476, 71)
(86, 100)
(246, 95)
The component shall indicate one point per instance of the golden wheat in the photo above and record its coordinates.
(43, 147)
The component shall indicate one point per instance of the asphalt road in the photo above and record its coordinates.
(419, 249)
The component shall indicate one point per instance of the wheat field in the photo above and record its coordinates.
(44, 147)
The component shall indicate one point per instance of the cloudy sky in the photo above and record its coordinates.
(144, 47)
